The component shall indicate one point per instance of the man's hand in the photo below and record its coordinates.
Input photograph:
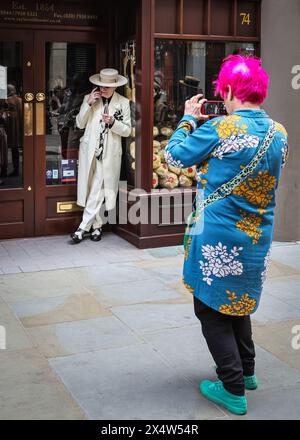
(193, 107)
(93, 96)
(107, 119)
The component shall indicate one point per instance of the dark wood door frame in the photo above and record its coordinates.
(32, 217)
(45, 224)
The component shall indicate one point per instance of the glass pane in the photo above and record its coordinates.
(128, 63)
(11, 119)
(183, 69)
(245, 49)
(215, 53)
(68, 68)
(179, 74)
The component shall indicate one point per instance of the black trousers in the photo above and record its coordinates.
(229, 339)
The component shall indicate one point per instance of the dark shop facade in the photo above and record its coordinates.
(166, 48)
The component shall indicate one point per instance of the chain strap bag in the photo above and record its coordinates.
(227, 188)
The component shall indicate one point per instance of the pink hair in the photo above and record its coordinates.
(248, 80)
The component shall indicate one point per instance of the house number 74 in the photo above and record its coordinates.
(245, 18)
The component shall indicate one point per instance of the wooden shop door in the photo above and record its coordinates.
(64, 62)
(47, 76)
(16, 133)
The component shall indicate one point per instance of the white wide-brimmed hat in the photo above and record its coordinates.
(108, 78)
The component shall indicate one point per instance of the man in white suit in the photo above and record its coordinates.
(105, 115)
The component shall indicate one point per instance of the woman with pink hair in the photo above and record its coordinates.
(239, 158)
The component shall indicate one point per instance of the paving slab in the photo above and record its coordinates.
(129, 255)
(287, 290)
(81, 336)
(60, 309)
(26, 267)
(151, 317)
(167, 272)
(94, 277)
(16, 336)
(3, 251)
(134, 292)
(131, 383)
(272, 309)
(277, 269)
(164, 252)
(277, 337)
(179, 287)
(29, 389)
(6, 260)
(24, 287)
(156, 263)
(10, 269)
(279, 404)
(186, 351)
(289, 255)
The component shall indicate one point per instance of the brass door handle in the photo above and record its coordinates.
(40, 97)
(29, 97)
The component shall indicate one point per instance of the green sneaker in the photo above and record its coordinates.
(216, 392)
(250, 382)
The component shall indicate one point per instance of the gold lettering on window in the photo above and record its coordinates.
(245, 18)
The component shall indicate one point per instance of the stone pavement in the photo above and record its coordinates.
(107, 331)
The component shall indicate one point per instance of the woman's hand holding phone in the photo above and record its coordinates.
(193, 107)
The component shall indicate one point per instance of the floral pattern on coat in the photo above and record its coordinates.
(285, 152)
(240, 306)
(171, 161)
(266, 266)
(230, 126)
(235, 143)
(220, 263)
(256, 189)
(250, 224)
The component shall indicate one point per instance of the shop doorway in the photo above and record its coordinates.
(43, 79)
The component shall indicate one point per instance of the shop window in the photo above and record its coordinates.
(182, 69)
(221, 17)
(166, 16)
(179, 74)
(68, 68)
(128, 63)
(11, 115)
(193, 17)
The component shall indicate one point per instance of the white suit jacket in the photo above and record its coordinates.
(89, 118)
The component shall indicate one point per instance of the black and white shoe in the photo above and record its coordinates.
(79, 235)
(96, 234)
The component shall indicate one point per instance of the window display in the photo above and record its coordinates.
(68, 67)
(11, 115)
(182, 69)
(128, 62)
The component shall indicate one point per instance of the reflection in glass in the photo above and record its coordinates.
(179, 74)
(11, 119)
(182, 70)
(68, 68)
(128, 62)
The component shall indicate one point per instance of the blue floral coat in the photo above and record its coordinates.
(225, 265)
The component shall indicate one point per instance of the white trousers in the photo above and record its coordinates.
(91, 214)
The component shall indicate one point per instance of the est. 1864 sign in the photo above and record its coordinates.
(50, 12)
